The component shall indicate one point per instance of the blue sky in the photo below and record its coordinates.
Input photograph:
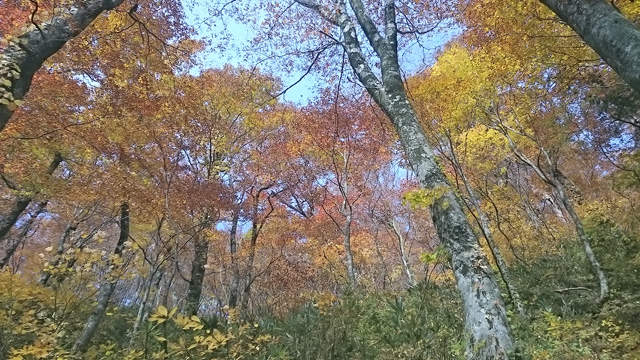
(413, 58)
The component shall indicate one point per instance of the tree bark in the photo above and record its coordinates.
(201, 249)
(22, 201)
(106, 290)
(614, 37)
(26, 52)
(485, 316)
(403, 253)
(23, 234)
(483, 222)
(46, 275)
(586, 244)
(234, 286)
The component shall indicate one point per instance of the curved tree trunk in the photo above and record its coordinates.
(26, 52)
(106, 290)
(614, 37)
(485, 316)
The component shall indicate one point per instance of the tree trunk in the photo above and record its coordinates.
(403, 253)
(557, 181)
(234, 286)
(614, 37)
(46, 274)
(23, 234)
(485, 316)
(143, 310)
(22, 201)
(26, 52)
(483, 222)
(595, 265)
(106, 290)
(346, 236)
(201, 248)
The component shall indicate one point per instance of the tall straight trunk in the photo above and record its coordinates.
(256, 227)
(614, 37)
(403, 252)
(27, 51)
(234, 286)
(201, 248)
(248, 278)
(106, 290)
(485, 316)
(42, 206)
(22, 201)
(346, 237)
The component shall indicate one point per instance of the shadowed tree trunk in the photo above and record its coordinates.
(234, 286)
(27, 51)
(201, 249)
(485, 316)
(23, 234)
(106, 290)
(22, 201)
(256, 226)
(614, 37)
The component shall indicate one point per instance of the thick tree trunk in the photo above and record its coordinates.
(106, 290)
(23, 234)
(483, 222)
(26, 52)
(614, 37)
(22, 201)
(12, 217)
(485, 316)
(234, 286)
(201, 249)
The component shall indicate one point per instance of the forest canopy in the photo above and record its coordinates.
(314, 179)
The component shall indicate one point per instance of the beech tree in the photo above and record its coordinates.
(485, 314)
(27, 51)
(607, 31)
